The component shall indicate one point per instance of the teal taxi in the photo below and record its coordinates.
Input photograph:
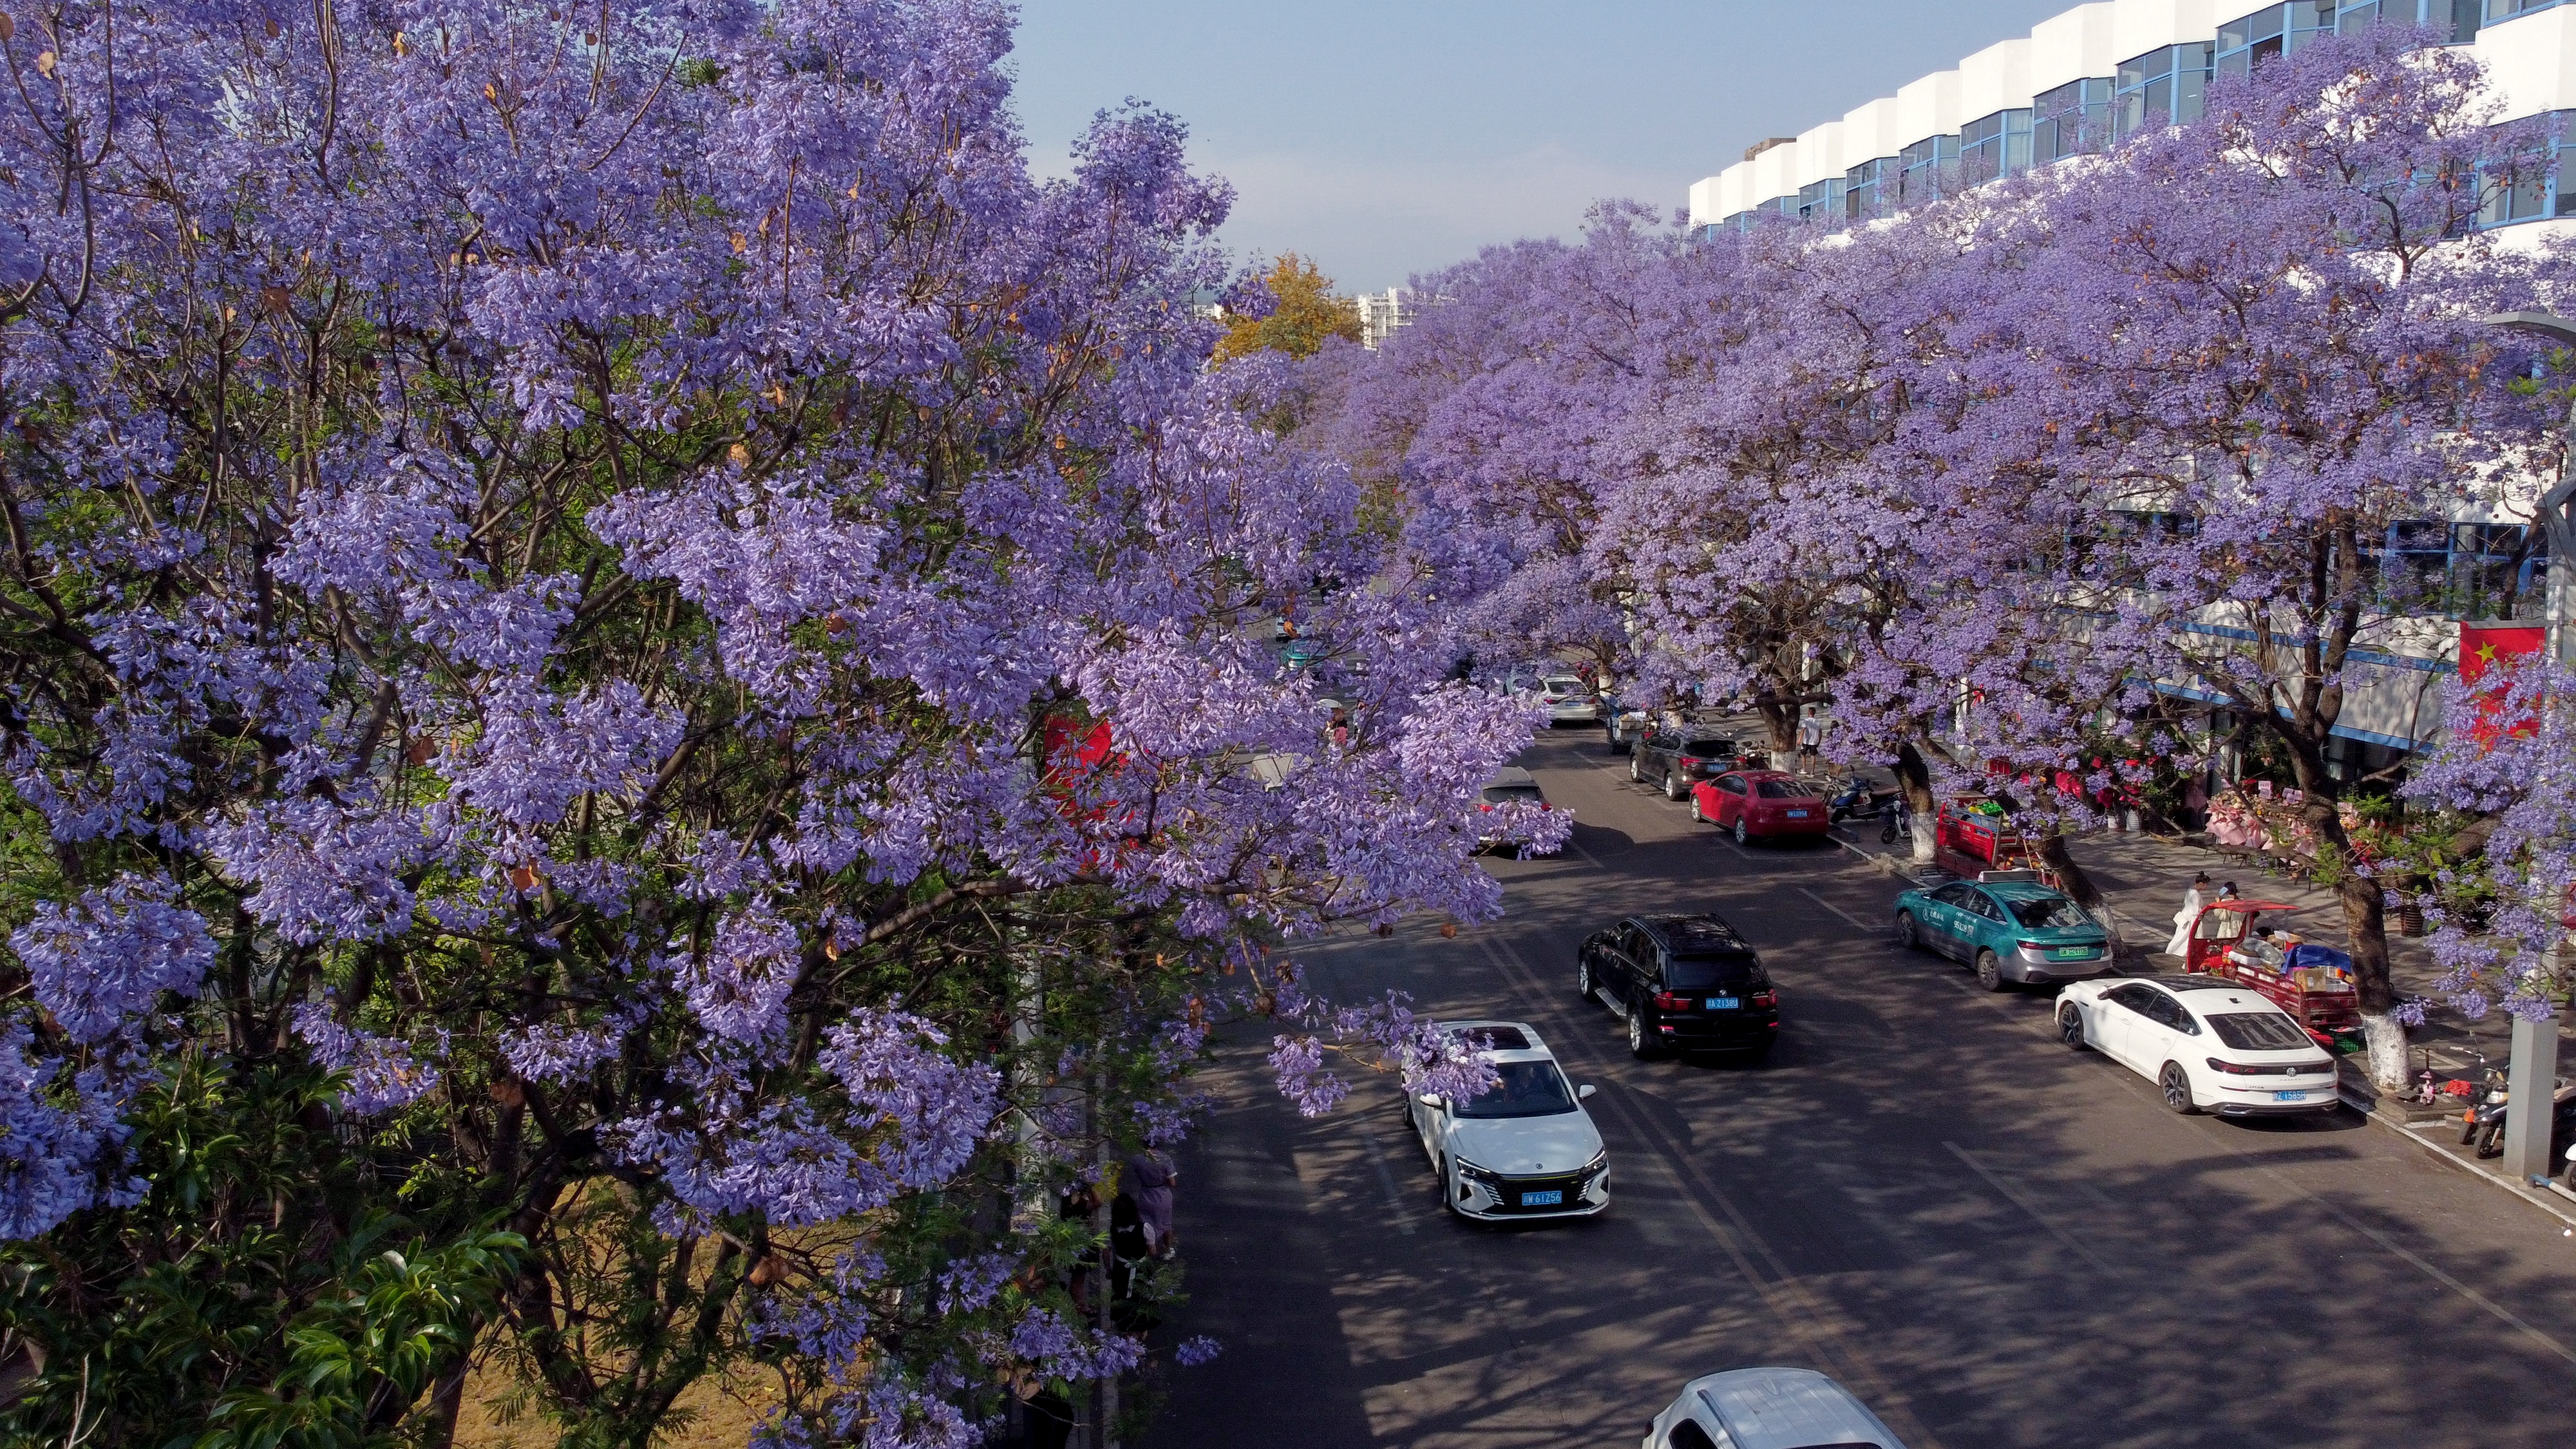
(2007, 927)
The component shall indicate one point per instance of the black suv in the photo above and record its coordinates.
(1685, 983)
(1674, 760)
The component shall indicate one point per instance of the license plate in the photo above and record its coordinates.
(2289, 1096)
(1553, 1197)
(1797, 814)
(1724, 1003)
(2071, 953)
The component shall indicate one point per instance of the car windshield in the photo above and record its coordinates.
(2259, 1031)
(1778, 790)
(1524, 1089)
(2048, 911)
(1708, 747)
(1508, 794)
(1699, 973)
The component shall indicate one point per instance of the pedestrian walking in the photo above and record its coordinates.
(2180, 945)
(1149, 1180)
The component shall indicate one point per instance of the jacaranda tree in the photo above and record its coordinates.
(637, 695)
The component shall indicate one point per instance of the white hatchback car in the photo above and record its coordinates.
(2209, 1045)
(1768, 1408)
(1524, 1148)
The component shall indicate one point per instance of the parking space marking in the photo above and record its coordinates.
(1386, 1180)
(1847, 916)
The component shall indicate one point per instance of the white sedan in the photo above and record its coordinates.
(2209, 1045)
(1768, 1408)
(1524, 1148)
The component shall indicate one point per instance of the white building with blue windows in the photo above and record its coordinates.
(2097, 73)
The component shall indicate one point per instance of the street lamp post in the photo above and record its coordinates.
(2531, 1073)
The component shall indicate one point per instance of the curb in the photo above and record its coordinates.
(2518, 1191)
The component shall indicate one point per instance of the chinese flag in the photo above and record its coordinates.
(2482, 646)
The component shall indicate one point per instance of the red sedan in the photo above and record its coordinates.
(1759, 804)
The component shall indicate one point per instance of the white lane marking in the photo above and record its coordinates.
(1386, 1180)
(1837, 910)
(2013, 1196)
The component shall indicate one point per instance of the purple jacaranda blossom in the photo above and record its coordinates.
(1191, 1352)
(101, 963)
(384, 1074)
(61, 1140)
(317, 871)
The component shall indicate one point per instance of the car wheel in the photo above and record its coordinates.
(2070, 1026)
(1448, 1190)
(1636, 772)
(1583, 986)
(1642, 1043)
(1672, 786)
(1990, 971)
(1697, 813)
(2175, 1083)
(1908, 934)
(1742, 835)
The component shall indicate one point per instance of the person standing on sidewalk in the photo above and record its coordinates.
(2180, 945)
(1811, 735)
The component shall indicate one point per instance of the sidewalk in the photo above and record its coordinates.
(2142, 877)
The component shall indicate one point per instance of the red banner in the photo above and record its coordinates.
(2482, 648)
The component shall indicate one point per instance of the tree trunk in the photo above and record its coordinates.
(1915, 779)
(2365, 924)
(2080, 888)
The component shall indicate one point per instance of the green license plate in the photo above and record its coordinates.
(2072, 953)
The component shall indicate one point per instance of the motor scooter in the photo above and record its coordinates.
(1859, 802)
(1897, 818)
(2484, 1123)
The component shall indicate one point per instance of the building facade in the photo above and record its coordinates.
(1380, 314)
(2083, 80)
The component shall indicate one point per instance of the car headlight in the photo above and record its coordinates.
(1477, 1172)
(1600, 1160)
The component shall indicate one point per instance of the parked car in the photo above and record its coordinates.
(1568, 699)
(1621, 725)
(1768, 1408)
(1684, 983)
(1511, 785)
(2005, 930)
(1760, 805)
(1524, 1148)
(2209, 1045)
(1677, 759)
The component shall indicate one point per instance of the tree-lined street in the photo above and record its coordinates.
(1991, 1239)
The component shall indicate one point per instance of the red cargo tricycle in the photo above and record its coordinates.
(2313, 983)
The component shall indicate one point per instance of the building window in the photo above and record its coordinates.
(1868, 189)
(2533, 189)
(2273, 31)
(2070, 120)
(1925, 172)
(2162, 87)
(2498, 571)
(1994, 146)
(1822, 201)
(2507, 9)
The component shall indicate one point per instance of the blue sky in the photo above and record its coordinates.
(1387, 138)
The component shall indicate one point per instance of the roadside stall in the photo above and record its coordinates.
(1973, 836)
(2310, 981)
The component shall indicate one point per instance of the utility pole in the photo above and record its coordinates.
(2531, 1074)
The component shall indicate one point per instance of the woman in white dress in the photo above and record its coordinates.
(2180, 945)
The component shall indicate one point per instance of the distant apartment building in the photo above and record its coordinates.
(2088, 78)
(1381, 313)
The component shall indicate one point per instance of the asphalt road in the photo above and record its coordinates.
(1991, 1239)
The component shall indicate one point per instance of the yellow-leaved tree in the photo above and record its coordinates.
(1309, 311)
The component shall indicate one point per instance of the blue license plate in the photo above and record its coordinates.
(2289, 1096)
(1724, 1003)
(1797, 814)
(1553, 1197)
